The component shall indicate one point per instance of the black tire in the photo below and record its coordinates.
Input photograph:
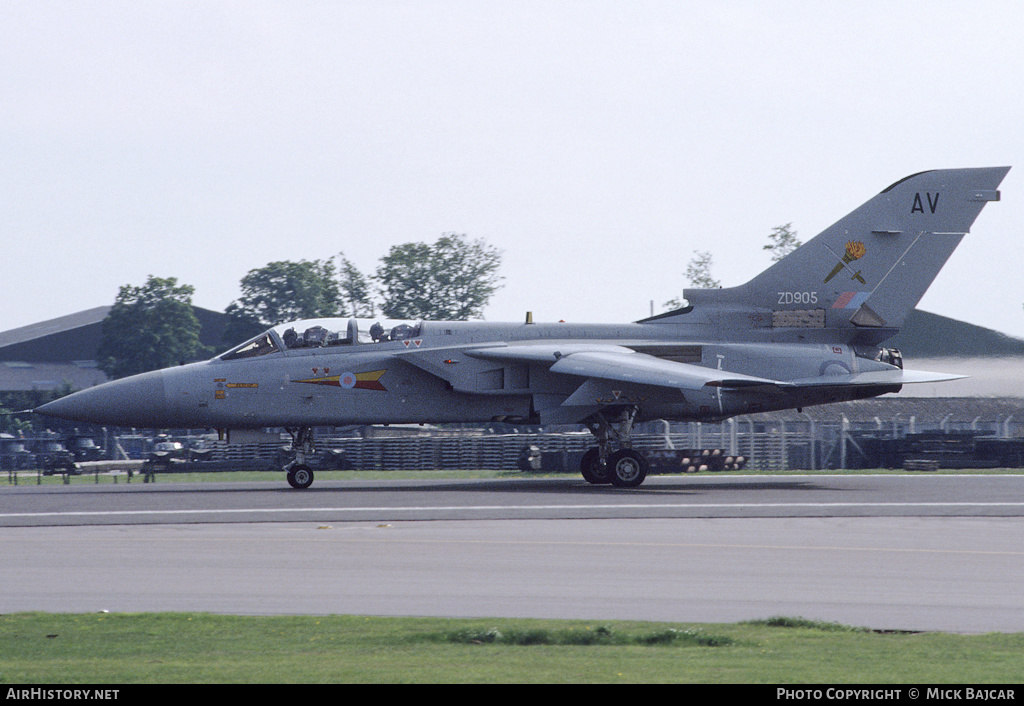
(300, 476)
(593, 470)
(628, 468)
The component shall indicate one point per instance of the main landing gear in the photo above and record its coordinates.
(300, 475)
(612, 460)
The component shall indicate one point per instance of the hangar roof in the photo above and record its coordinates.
(48, 354)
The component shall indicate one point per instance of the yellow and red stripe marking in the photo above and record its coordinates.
(361, 381)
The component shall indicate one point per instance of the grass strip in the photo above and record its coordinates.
(107, 648)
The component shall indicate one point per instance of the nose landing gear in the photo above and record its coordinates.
(300, 475)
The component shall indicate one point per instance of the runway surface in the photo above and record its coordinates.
(889, 552)
(515, 498)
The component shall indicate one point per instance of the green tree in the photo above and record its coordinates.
(783, 241)
(355, 288)
(453, 279)
(280, 292)
(150, 327)
(11, 422)
(698, 271)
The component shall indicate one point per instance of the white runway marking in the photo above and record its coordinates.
(486, 508)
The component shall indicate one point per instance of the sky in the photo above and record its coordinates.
(597, 144)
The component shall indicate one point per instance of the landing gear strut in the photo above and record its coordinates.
(612, 460)
(300, 475)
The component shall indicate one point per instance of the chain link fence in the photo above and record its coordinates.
(897, 434)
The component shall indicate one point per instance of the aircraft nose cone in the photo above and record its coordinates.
(136, 401)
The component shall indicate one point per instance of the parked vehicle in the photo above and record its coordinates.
(200, 450)
(165, 450)
(14, 454)
(84, 448)
(52, 456)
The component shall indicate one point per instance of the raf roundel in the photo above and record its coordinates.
(347, 380)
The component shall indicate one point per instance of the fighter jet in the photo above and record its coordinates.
(806, 331)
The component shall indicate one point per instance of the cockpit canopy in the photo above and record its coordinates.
(324, 333)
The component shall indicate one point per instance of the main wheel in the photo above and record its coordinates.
(300, 476)
(593, 470)
(628, 468)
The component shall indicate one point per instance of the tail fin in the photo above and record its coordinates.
(871, 268)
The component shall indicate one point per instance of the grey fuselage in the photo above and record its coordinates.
(438, 376)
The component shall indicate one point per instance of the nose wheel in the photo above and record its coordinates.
(300, 476)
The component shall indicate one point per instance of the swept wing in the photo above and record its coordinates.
(611, 362)
(622, 364)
